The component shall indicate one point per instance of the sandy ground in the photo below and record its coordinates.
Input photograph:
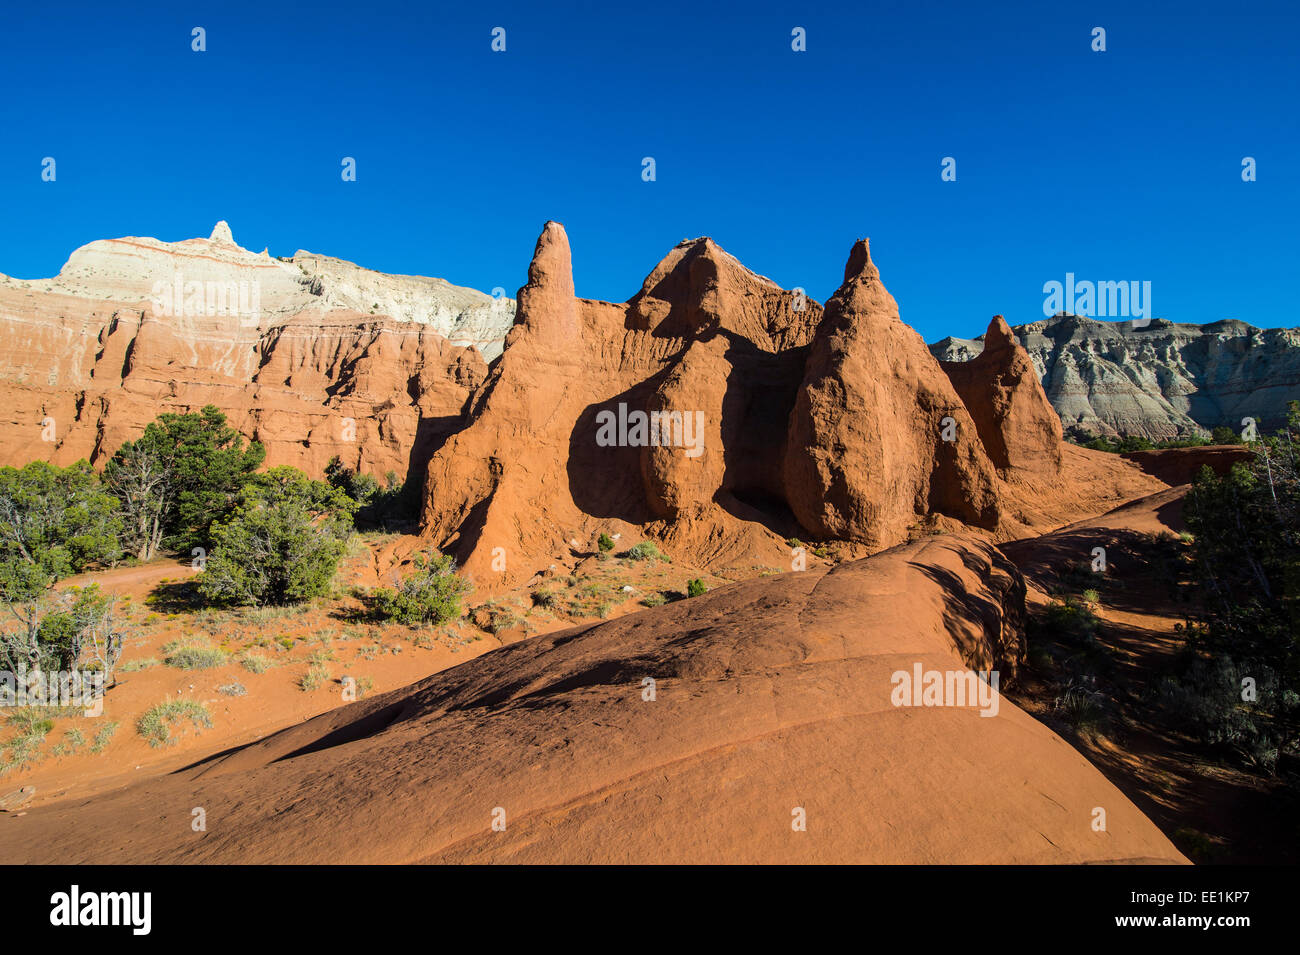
(379, 657)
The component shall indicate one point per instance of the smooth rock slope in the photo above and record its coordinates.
(768, 701)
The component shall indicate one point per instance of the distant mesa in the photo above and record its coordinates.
(101, 353)
(1159, 381)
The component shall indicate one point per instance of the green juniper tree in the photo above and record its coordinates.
(177, 478)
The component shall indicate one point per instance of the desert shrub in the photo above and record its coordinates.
(103, 736)
(1081, 706)
(282, 543)
(315, 677)
(233, 688)
(134, 666)
(362, 685)
(654, 600)
(54, 522)
(78, 626)
(1246, 546)
(253, 662)
(192, 655)
(543, 597)
(31, 725)
(432, 595)
(1205, 699)
(1072, 618)
(157, 723)
(1195, 844)
(1127, 444)
(605, 543)
(646, 550)
(377, 504)
(495, 618)
(695, 587)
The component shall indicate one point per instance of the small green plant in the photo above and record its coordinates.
(363, 685)
(193, 655)
(646, 550)
(103, 736)
(653, 600)
(1195, 844)
(605, 543)
(432, 595)
(133, 666)
(33, 724)
(254, 663)
(1072, 618)
(314, 678)
(543, 597)
(33, 720)
(495, 618)
(696, 588)
(157, 723)
(1081, 707)
(233, 688)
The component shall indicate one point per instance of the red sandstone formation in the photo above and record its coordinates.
(89, 358)
(1020, 429)
(721, 414)
(554, 452)
(878, 437)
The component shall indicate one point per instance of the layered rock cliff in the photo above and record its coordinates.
(1158, 381)
(312, 356)
(714, 411)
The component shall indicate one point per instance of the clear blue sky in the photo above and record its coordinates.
(1117, 165)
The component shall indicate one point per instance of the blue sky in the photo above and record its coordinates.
(1122, 165)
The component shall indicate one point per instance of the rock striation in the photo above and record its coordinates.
(1160, 380)
(312, 356)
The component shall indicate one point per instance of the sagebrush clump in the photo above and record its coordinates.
(430, 596)
(157, 723)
